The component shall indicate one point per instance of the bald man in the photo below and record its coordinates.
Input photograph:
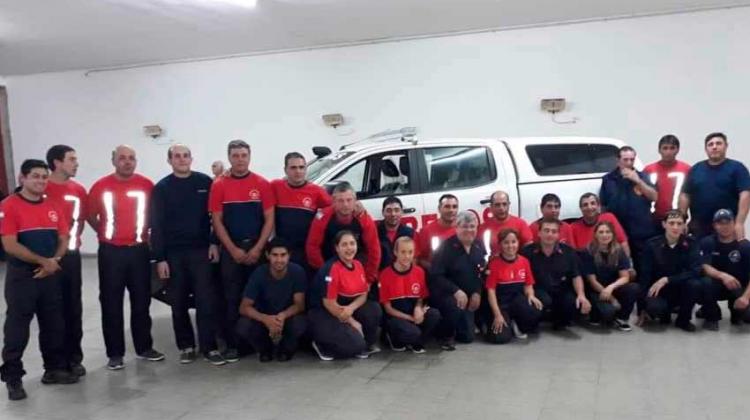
(217, 168)
(181, 246)
(117, 212)
(502, 219)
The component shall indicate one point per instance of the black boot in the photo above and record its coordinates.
(60, 376)
(16, 391)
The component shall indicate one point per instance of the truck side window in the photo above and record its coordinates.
(379, 175)
(354, 175)
(572, 159)
(457, 167)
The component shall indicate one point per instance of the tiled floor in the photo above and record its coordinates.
(585, 374)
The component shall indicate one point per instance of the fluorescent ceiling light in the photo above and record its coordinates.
(242, 3)
(248, 4)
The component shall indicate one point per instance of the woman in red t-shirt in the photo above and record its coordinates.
(342, 321)
(510, 292)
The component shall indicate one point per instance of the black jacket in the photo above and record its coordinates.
(453, 268)
(678, 264)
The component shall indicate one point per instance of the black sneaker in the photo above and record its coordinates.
(265, 357)
(417, 349)
(187, 356)
(16, 391)
(115, 363)
(711, 325)
(231, 355)
(63, 377)
(623, 325)
(283, 356)
(151, 355)
(448, 345)
(322, 356)
(735, 319)
(214, 357)
(78, 369)
(685, 326)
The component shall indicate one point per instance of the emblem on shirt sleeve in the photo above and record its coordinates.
(52, 216)
(329, 279)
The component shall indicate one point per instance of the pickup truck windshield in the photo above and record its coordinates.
(320, 166)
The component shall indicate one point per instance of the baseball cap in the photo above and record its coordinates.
(723, 215)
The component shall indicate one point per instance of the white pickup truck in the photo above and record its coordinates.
(419, 171)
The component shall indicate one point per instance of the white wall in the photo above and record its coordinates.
(632, 79)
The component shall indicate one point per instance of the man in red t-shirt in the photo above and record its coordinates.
(70, 197)
(668, 174)
(342, 215)
(297, 202)
(502, 219)
(550, 207)
(434, 233)
(34, 234)
(583, 229)
(242, 208)
(118, 206)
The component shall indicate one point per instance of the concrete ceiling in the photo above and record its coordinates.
(54, 35)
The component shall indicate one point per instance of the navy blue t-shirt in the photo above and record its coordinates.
(633, 209)
(714, 187)
(732, 258)
(272, 295)
(605, 274)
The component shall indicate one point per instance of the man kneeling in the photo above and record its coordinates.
(409, 322)
(273, 305)
(671, 275)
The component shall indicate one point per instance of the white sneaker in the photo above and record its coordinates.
(517, 331)
(394, 347)
(373, 349)
(324, 357)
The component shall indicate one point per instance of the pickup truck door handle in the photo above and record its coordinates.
(409, 210)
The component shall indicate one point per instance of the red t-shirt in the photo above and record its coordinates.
(37, 225)
(583, 233)
(566, 233)
(395, 285)
(430, 237)
(668, 179)
(503, 272)
(71, 198)
(492, 227)
(296, 208)
(121, 206)
(342, 281)
(242, 201)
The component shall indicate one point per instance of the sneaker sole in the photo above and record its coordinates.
(150, 359)
(320, 354)
(118, 367)
(221, 363)
(186, 362)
